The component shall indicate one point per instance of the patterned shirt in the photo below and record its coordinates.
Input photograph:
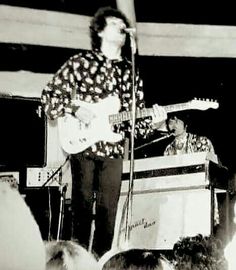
(191, 143)
(92, 77)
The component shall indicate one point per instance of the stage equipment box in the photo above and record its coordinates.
(23, 132)
(172, 197)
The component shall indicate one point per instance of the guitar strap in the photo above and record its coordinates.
(123, 67)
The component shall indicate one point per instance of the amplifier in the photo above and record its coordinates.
(37, 177)
(23, 132)
(12, 177)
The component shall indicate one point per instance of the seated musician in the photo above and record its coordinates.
(185, 142)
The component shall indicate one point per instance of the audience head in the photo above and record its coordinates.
(68, 255)
(138, 259)
(21, 245)
(199, 252)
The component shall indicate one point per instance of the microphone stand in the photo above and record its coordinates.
(62, 189)
(154, 141)
(130, 191)
(56, 172)
(92, 228)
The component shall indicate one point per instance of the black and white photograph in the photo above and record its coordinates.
(117, 135)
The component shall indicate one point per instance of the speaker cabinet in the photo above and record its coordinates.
(23, 132)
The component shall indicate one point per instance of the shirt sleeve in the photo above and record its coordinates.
(211, 147)
(56, 96)
(167, 150)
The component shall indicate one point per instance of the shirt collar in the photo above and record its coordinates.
(102, 57)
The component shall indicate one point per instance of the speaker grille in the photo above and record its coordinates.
(23, 132)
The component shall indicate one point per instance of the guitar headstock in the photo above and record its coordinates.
(203, 104)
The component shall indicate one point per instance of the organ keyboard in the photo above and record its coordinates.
(187, 171)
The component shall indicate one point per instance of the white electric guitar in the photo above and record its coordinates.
(76, 136)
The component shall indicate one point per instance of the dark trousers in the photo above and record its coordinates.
(102, 176)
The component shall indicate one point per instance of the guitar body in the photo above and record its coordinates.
(75, 136)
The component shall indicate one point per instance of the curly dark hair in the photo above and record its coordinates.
(199, 252)
(184, 116)
(98, 23)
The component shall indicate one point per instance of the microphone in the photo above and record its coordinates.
(128, 30)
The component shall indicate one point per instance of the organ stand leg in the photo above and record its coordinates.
(212, 190)
(227, 229)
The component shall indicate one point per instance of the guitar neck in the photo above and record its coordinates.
(177, 107)
(125, 116)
